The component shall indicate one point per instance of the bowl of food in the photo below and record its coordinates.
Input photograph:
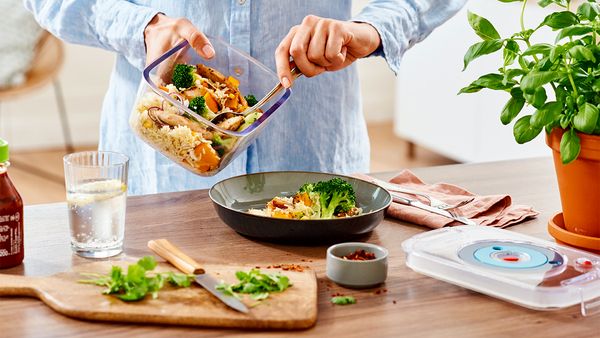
(357, 265)
(306, 207)
(202, 113)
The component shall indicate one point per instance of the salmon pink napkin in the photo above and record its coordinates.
(491, 210)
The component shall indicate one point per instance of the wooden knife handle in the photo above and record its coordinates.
(175, 256)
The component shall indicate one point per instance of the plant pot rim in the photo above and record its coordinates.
(590, 144)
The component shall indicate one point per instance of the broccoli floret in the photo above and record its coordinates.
(198, 105)
(249, 119)
(308, 188)
(251, 100)
(183, 76)
(221, 145)
(335, 196)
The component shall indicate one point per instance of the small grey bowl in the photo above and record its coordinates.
(356, 274)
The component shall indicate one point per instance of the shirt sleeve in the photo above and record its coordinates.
(115, 25)
(402, 23)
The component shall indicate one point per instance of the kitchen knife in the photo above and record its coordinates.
(420, 205)
(186, 264)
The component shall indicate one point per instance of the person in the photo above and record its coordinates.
(321, 127)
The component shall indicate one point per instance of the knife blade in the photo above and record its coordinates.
(186, 264)
(420, 205)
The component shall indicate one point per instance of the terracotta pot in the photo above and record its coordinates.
(579, 184)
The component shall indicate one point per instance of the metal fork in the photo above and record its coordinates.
(295, 74)
(434, 202)
(220, 116)
(420, 205)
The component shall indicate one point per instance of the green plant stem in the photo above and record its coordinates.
(571, 78)
(522, 20)
(523, 15)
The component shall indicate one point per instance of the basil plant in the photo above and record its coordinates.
(560, 79)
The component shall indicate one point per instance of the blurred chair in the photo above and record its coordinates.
(47, 62)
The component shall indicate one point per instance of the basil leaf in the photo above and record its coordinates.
(540, 48)
(524, 131)
(544, 3)
(535, 79)
(482, 27)
(512, 108)
(491, 81)
(581, 53)
(560, 20)
(546, 114)
(511, 51)
(588, 10)
(573, 31)
(570, 147)
(539, 97)
(480, 49)
(586, 118)
(556, 52)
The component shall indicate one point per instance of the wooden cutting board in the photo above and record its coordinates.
(295, 308)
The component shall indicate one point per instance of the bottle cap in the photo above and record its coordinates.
(3, 151)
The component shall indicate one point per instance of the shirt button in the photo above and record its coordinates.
(241, 2)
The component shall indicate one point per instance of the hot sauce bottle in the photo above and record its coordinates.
(11, 216)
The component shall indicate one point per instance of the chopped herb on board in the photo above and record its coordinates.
(136, 283)
(256, 284)
(343, 300)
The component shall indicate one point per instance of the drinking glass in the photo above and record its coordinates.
(96, 183)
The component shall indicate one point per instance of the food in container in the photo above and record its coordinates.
(334, 198)
(197, 112)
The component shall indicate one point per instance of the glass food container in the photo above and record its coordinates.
(187, 124)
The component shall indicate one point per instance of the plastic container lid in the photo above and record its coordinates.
(521, 269)
(3, 150)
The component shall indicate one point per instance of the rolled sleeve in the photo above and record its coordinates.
(114, 25)
(402, 23)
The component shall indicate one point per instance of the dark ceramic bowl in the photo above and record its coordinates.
(233, 197)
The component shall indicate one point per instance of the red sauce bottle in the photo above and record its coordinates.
(11, 216)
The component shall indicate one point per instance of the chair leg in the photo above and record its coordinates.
(411, 151)
(60, 103)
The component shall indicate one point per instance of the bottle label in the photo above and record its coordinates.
(10, 234)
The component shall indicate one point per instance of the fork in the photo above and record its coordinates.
(438, 211)
(434, 202)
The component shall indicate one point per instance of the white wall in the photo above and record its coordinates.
(463, 127)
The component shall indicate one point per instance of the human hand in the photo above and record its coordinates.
(319, 44)
(163, 32)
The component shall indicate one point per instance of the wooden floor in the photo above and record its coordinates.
(38, 175)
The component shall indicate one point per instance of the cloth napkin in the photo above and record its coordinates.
(490, 210)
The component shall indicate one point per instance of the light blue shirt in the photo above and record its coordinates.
(321, 127)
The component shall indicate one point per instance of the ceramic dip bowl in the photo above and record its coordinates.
(356, 273)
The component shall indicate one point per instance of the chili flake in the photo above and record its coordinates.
(360, 255)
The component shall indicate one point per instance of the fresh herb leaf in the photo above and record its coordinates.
(480, 49)
(137, 283)
(256, 284)
(524, 131)
(560, 20)
(570, 146)
(482, 27)
(251, 100)
(343, 300)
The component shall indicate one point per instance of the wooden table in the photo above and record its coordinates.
(414, 305)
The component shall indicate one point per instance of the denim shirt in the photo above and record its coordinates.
(320, 128)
